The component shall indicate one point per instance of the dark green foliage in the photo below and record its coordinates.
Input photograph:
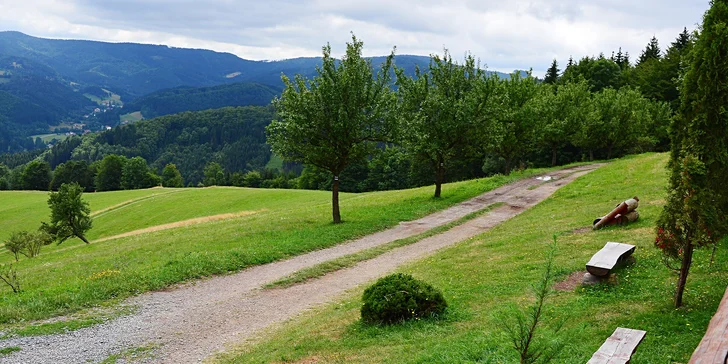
(4, 177)
(171, 176)
(136, 174)
(180, 99)
(74, 171)
(651, 51)
(36, 176)
(214, 175)
(442, 110)
(516, 121)
(552, 74)
(108, 177)
(252, 179)
(234, 137)
(336, 118)
(697, 200)
(399, 297)
(13, 160)
(69, 214)
(601, 73)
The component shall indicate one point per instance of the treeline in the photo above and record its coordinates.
(180, 99)
(232, 137)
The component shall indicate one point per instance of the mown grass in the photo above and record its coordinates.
(351, 260)
(482, 277)
(74, 276)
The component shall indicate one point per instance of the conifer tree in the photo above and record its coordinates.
(652, 51)
(682, 40)
(552, 74)
(697, 201)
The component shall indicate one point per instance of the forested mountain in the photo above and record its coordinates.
(33, 97)
(232, 137)
(43, 81)
(180, 99)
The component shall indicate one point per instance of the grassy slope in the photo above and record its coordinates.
(74, 276)
(481, 277)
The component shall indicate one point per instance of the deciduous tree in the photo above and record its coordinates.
(442, 110)
(336, 118)
(36, 176)
(108, 177)
(70, 214)
(171, 177)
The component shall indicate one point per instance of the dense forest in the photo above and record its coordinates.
(180, 99)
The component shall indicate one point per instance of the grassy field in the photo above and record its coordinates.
(132, 117)
(46, 138)
(490, 274)
(110, 97)
(282, 223)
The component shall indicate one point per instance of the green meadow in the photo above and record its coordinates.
(269, 225)
(490, 275)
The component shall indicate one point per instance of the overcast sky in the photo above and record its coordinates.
(505, 35)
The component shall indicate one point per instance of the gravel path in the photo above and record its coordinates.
(194, 321)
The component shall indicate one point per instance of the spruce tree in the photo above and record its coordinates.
(697, 201)
(682, 40)
(652, 51)
(552, 74)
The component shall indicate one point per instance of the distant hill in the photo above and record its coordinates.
(232, 136)
(180, 99)
(49, 81)
(139, 69)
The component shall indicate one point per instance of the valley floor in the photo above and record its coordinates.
(194, 321)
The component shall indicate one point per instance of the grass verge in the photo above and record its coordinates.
(9, 350)
(351, 260)
(485, 277)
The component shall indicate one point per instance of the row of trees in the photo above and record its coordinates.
(655, 73)
(449, 114)
(112, 173)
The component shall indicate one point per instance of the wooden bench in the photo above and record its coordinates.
(714, 346)
(619, 347)
(602, 263)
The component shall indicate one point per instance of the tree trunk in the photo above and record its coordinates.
(684, 270)
(591, 155)
(553, 156)
(508, 166)
(80, 236)
(609, 152)
(335, 201)
(438, 179)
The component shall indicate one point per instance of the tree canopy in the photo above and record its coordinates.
(70, 214)
(697, 201)
(336, 118)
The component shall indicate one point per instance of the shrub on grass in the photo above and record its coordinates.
(399, 297)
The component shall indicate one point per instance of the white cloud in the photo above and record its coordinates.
(504, 34)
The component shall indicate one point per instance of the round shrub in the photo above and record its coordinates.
(399, 297)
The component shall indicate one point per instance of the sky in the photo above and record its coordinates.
(504, 35)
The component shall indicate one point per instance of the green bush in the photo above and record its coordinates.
(399, 297)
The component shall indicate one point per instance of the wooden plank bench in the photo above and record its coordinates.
(619, 347)
(602, 263)
(714, 346)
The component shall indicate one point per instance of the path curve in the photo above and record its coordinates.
(197, 320)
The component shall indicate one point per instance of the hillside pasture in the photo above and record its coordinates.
(485, 278)
(283, 223)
